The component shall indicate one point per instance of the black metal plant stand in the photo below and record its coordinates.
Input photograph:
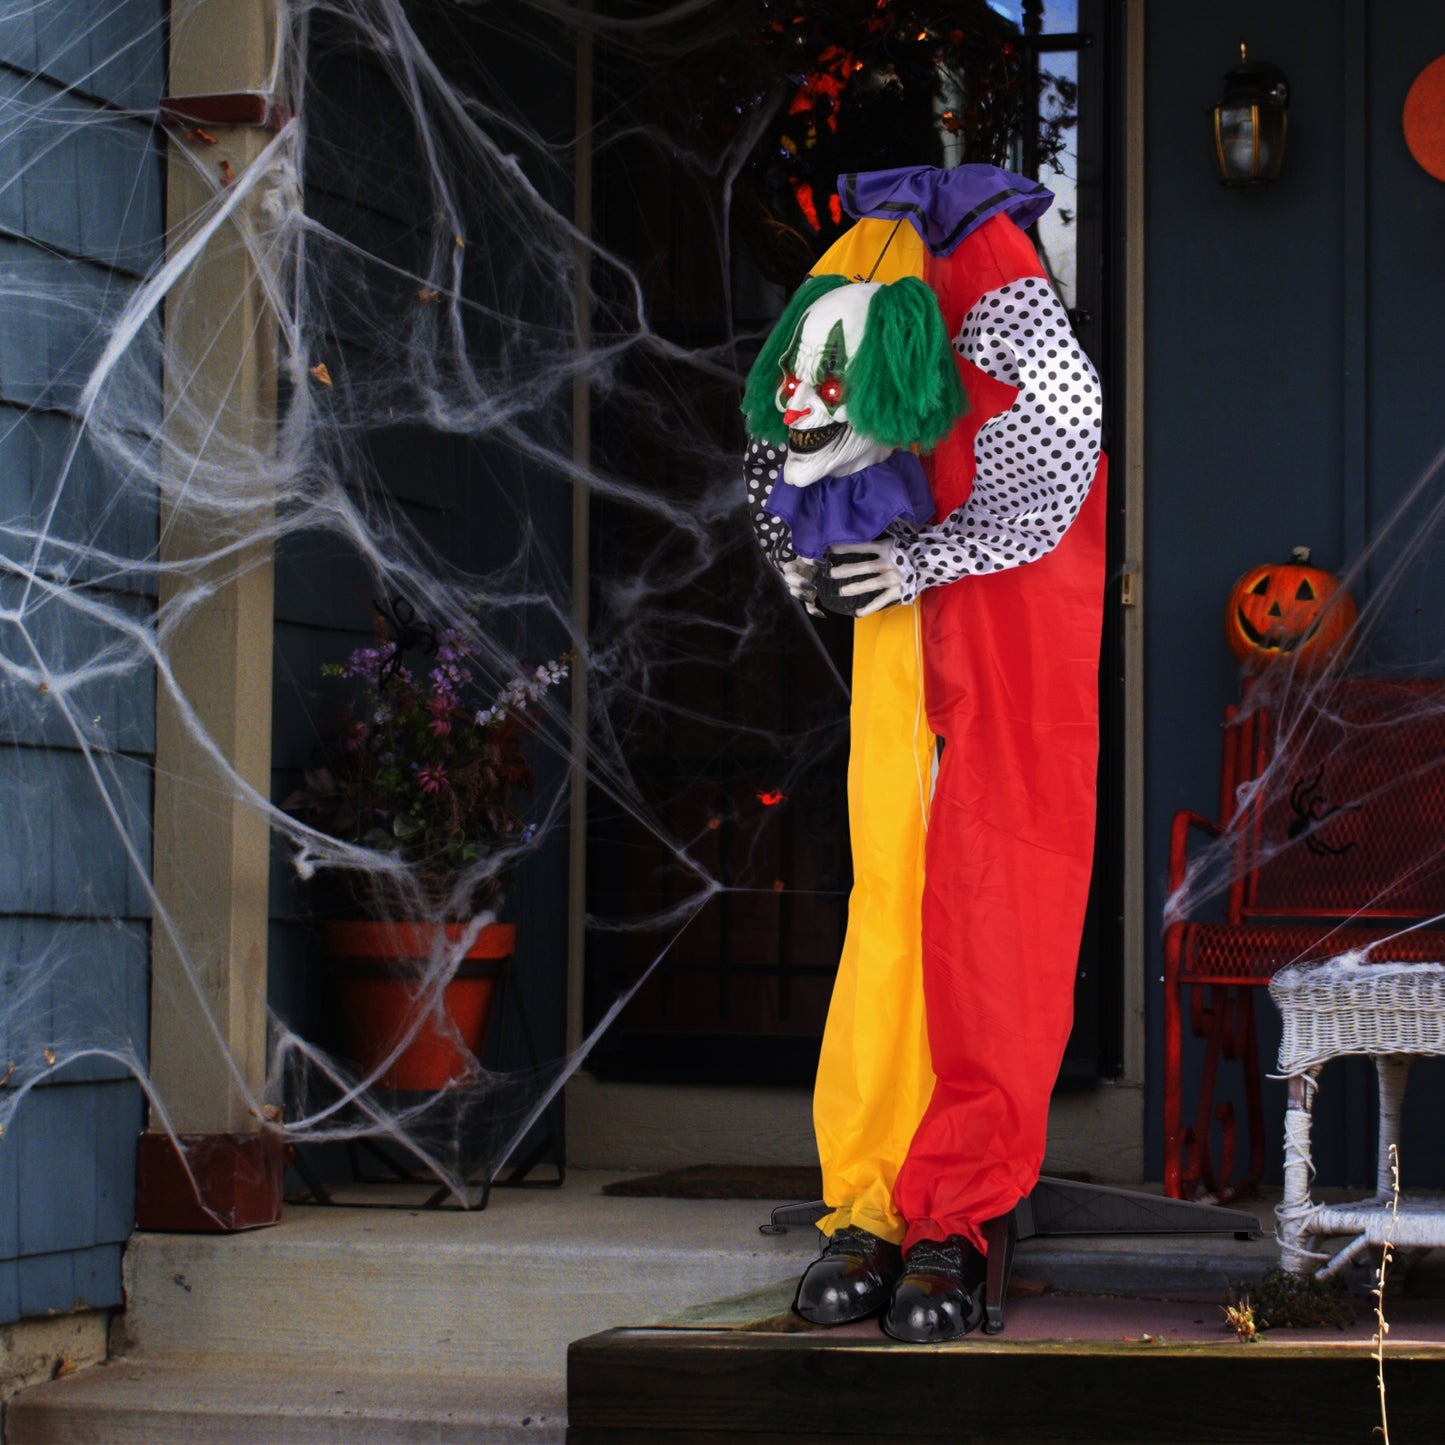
(394, 1170)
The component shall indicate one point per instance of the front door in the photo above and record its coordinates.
(729, 829)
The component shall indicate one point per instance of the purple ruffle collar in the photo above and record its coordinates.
(855, 508)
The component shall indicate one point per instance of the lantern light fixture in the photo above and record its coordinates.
(1249, 124)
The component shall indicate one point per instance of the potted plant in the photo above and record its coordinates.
(428, 769)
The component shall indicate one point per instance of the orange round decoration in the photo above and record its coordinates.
(1424, 118)
(1288, 609)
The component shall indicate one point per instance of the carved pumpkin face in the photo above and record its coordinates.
(1288, 610)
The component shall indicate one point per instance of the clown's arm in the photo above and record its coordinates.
(761, 466)
(1035, 461)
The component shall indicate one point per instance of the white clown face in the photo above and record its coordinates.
(813, 394)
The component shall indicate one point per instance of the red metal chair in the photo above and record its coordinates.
(1331, 841)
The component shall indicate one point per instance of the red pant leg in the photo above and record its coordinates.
(1011, 675)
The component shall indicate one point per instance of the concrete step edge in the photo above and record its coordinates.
(258, 1400)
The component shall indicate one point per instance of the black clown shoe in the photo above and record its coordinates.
(939, 1295)
(851, 1279)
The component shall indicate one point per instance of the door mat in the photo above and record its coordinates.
(800, 1182)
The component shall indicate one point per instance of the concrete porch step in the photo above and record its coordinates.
(397, 1325)
(276, 1402)
(442, 1292)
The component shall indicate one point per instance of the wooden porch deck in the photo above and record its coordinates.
(1069, 1368)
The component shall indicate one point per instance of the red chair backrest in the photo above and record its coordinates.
(1345, 815)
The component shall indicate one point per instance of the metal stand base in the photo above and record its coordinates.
(478, 1189)
(1065, 1206)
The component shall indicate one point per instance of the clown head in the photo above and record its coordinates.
(813, 392)
(851, 372)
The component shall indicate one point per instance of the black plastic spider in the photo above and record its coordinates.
(407, 631)
(1307, 799)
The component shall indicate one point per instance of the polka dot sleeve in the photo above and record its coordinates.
(761, 465)
(1035, 462)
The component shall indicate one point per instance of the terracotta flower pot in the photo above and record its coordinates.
(379, 969)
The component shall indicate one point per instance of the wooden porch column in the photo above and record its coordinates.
(208, 979)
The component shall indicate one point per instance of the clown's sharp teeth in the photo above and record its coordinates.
(814, 438)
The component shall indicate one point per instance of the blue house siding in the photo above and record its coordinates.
(81, 216)
(1292, 398)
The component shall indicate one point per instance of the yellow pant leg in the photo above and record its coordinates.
(874, 1074)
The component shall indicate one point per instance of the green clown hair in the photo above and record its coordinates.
(903, 387)
(760, 398)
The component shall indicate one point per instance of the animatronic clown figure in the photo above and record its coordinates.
(979, 607)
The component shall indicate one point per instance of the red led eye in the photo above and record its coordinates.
(789, 386)
(830, 389)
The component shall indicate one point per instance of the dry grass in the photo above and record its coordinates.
(1382, 1326)
(1283, 1301)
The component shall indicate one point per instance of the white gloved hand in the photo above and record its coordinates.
(878, 574)
(801, 575)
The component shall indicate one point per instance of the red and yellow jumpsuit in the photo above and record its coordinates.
(954, 995)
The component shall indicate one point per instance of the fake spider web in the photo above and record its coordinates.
(443, 319)
(1306, 733)
(461, 350)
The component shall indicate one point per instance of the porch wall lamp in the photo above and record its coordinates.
(1248, 125)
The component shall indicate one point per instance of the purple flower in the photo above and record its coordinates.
(367, 662)
(453, 646)
(448, 680)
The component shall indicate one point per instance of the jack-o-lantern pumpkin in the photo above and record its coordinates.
(1291, 610)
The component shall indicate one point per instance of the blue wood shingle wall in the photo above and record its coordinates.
(80, 219)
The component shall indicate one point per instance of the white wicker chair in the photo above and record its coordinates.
(1390, 1012)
